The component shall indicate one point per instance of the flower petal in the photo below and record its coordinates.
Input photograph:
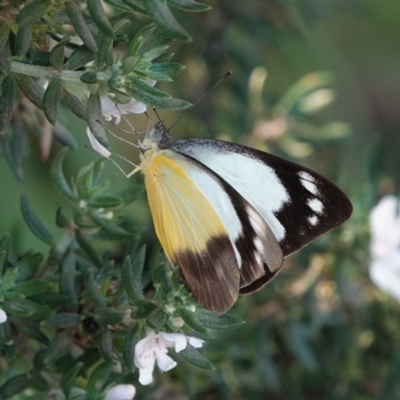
(177, 340)
(165, 362)
(145, 352)
(121, 392)
(146, 376)
(97, 146)
(195, 342)
(385, 274)
(3, 316)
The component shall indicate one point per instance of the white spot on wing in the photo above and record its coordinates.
(308, 182)
(316, 205)
(313, 220)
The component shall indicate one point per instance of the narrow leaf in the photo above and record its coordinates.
(93, 291)
(95, 119)
(194, 357)
(189, 5)
(51, 99)
(69, 378)
(98, 380)
(58, 175)
(167, 68)
(106, 345)
(34, 223)
(128, 351)
(67, 279)
(4, 32)
(158, 102)
(163, 17)
(217, 321)
(31, 89)
(128, 278)
(58, 347)
(14, 385)
(63, 321)
(23, 40)
(75, 105)
(99, 17)
(108, 316)
(57, 53)
(79, 58)
(6, 103)
(87, 247)
(191, 320)
(33, 11)
(80, 25)
(140, 84)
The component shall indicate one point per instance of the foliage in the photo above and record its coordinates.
(81, 293)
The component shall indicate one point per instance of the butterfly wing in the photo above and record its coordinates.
(297, 203)
(201, 223)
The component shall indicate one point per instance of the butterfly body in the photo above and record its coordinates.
(228, 215)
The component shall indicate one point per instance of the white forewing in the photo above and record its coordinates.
(255, 181)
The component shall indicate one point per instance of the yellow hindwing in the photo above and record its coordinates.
(184, 218)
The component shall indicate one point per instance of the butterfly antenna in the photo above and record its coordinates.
(159, 119)
(229, 73)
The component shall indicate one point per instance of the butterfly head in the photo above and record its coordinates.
(158, 137)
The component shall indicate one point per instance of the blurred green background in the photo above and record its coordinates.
(320, 330)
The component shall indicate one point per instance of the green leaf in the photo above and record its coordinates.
(189, 5)
(163, 17)
(23, 40)
(63, 136)
(191, 320)
(58, 177)
(4, 32)
(58, 347)
(194, 357)
(75, 105)
(6, 102)
(158, 102)
(5, 334)
(51, 99)
(128, 277)
(89, 77)
(142, 308)
(31, 328)
(108, 316)
(87, 247)
(106, 201)
(98, 380)
(135, 6)
(3, 261)
(33, 11)
(80, 25)
(95, 119)
(167, 68)
(34, 223)
(153, 53)
(32, 287)
(156, 319)
(93, 291)
(79, 58)
(57, 53)
(14, 385)
(8, 279)
(128, 351)
(99, 17)
(13, 157)
(37, 381)
(217, 321)
(67, 279)
(26, 308)
(31, 89)
(63, 321)
(28, 265)
(106, 344)
(115, 232)
(143, 86)
(69, 378)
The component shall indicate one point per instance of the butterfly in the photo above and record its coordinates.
(229, 215)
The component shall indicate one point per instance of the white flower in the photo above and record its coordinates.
(154, 347)
(385, 245)
(97, 147)
(121, 392)
(3, 316)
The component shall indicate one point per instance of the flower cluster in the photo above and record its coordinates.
(385, 245)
